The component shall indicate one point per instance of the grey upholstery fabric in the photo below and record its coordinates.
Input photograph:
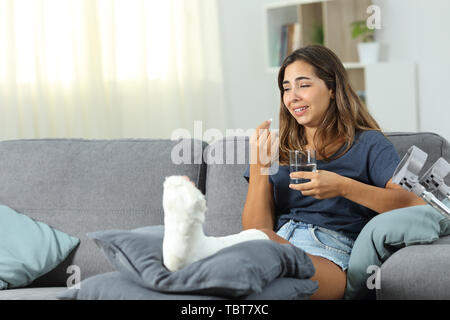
(226, 188)
(404, 261)
(114, 286)
(48, 293)
(384, 235)
(416, 272)
(78, 186)
(431, 143)
(242, 269)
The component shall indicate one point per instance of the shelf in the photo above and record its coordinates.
(276, 5)
(353, 65)
(334, 16)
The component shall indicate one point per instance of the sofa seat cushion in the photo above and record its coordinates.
(416, 272)
(44, 293)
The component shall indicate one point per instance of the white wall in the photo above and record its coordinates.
(252, 93)
(412, 30)
(418, 31)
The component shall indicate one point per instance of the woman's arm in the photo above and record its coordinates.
(259, 208)
(379, 199)
(326, 184)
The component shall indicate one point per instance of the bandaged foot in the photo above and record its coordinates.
(184, 213)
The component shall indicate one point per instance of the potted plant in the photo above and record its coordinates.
(317, 34)
(368, 49)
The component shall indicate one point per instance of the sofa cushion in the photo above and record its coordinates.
(226, 188)
(28, 248)
(235, 271)
(416, 272)
(79, 186)
(387, 233)
(114, 286)
(44, 293)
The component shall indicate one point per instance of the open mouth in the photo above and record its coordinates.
(301, 110)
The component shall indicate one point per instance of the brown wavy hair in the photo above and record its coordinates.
(345, 115)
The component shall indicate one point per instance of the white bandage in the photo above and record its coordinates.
(184, 213)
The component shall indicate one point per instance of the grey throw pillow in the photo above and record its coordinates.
(240, 270)
(114, 286)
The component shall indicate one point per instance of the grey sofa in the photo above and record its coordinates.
(81, 186)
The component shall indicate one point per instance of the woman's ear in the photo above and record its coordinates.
(331, 94)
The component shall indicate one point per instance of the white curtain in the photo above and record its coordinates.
(109, 68)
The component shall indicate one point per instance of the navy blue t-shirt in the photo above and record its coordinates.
(372, 159)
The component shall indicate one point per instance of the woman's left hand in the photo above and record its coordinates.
(323, 185)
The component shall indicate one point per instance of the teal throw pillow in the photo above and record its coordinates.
(28, 248)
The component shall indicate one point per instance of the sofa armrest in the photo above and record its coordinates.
(416, 272)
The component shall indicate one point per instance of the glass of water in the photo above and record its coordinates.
(302, 160)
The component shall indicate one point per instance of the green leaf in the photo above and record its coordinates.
(360, 29)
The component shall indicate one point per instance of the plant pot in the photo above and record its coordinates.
(368, 52)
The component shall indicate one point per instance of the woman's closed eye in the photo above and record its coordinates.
(299, 86)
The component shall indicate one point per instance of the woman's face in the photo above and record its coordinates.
(306, 96)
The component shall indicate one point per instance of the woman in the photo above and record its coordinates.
(320, 111)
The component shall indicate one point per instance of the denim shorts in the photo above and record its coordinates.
(318, 241)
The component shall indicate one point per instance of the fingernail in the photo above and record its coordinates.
(270, 120)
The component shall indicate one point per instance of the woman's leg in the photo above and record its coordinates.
(330, 277)
(184, 241)
(184, 213)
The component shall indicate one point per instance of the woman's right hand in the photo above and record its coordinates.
(263, 146)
